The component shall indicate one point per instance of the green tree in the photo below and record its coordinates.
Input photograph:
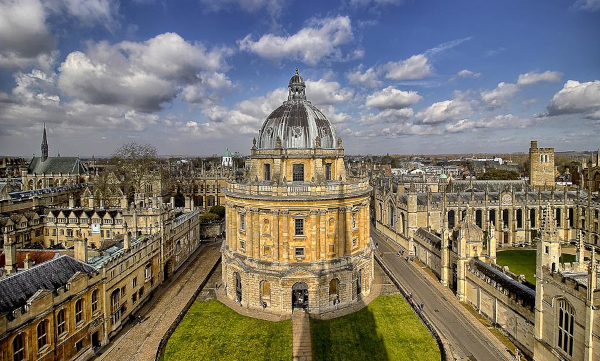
(208, 217)
(218, 210)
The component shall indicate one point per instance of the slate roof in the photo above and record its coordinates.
(526, 293)
(57, 165)
(16, 289)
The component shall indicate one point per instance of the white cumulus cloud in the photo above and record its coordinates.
(414, 68)
(447, 110)
(25, 38)
(320, 39)
(392, 98)
(535, 77)
(369, 78)
(576, 97)
(141, 75)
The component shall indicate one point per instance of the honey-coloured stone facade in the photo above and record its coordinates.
(541, 166)
(297, 227)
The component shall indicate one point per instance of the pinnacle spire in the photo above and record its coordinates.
(44, 145)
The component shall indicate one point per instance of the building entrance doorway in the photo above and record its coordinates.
(299, 295)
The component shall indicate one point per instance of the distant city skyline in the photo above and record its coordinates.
(399, 77)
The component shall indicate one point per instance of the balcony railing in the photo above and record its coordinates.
(300, 189)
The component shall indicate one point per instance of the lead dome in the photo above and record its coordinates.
(297, 123)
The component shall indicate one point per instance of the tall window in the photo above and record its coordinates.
(95, 301)
(78, 311)
(242, 222)
(328, 171)
(18, 348)
(60, 320)
(42, 337)
(267, 172)
(565, 327)
(558, 217)
(148, 271)
(353, 220)
(299, 227)
(298, 173)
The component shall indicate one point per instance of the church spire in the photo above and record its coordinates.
(44, 145)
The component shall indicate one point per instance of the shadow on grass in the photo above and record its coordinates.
(352, 337)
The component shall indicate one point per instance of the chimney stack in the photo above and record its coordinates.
(27, 263)
(10, 256)
(81, 249)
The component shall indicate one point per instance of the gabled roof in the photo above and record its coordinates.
(16, 289)
(57, 165)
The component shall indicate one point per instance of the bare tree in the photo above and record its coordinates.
(135, 164)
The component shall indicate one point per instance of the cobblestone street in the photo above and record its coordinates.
(141, 342)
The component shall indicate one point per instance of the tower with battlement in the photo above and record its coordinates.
(541, 166)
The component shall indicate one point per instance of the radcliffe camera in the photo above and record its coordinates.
(267, 180)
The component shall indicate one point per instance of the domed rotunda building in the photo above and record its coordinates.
(297, 226)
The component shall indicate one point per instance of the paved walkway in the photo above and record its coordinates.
(141, 342)
(467, 337)
(301, 342)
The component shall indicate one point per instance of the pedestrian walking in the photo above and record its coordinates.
(139, 319)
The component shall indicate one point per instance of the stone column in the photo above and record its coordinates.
(256, 251)
(275, 236)
(349, 230)
(341, 234)
(322, 234)
(284, 234)
(313, 235)
(249, 234)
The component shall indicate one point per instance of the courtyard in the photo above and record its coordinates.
(522, 262)
(386, 329)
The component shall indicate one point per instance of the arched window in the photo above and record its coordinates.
(334, 286)
(60, 321)
(331, 225)
(566, 318)
(380, 212)
(479, 218)
(265, 293)
(493, 216)
(391, 216)
(78, 311)
(95, 301)
(519, 218)
(451, 219)
(42, 336)
(18, 348)
(266, 227)
(532, 222)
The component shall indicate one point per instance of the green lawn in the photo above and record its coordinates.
(212, 331)
(387, 329)
(522, 262)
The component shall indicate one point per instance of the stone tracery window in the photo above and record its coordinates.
(566, 317)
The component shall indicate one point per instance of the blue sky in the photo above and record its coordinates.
(393, 76)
